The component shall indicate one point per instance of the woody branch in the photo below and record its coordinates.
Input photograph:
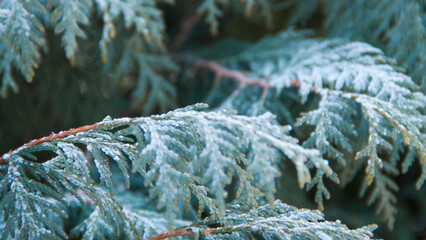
(221, 72)
(50, 138)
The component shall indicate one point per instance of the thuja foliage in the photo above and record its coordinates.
(305, 116)
(352, 81)
(281, 221)
(388, 26)
(182, 155)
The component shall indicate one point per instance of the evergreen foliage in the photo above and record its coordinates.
(170, 151)
(384, 25)
(280, 221)
(352, 79)
(299, 115)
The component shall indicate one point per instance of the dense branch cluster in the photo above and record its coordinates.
(317, 110)
(353, 80)
(169, 151)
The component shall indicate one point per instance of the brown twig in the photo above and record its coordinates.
(188, 24)
(51, 137)
(242, 79)
(235, 75)
(179, 233)
(222, 72)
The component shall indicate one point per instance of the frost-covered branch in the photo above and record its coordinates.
(272, 221)
(179, 154)
(351, 80)
(50, 138)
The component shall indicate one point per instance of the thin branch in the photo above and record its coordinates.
(179, 233)
(51, 137)
(222, 72)
(235, 75)
(193, 18)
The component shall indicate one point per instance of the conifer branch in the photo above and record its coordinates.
(330, 107)
(238, 76)
(243, 79)
(273, 221)
(351, 78)
(223, 72)
(234, 146)
(50, 138)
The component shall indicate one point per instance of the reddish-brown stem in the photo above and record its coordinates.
(222, 72)
(189, 23)
(242, 79)
(179, 233)
(238, 76)
(51, 137)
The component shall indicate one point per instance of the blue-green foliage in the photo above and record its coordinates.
(355, 111)
(23, 33)
(280, 221)
(143, 58)
(353, 80)
(332, 136)
(212, 9)
(179, 154)
(68, 16)
(146, 223)
(7, 62)
(397, 28)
